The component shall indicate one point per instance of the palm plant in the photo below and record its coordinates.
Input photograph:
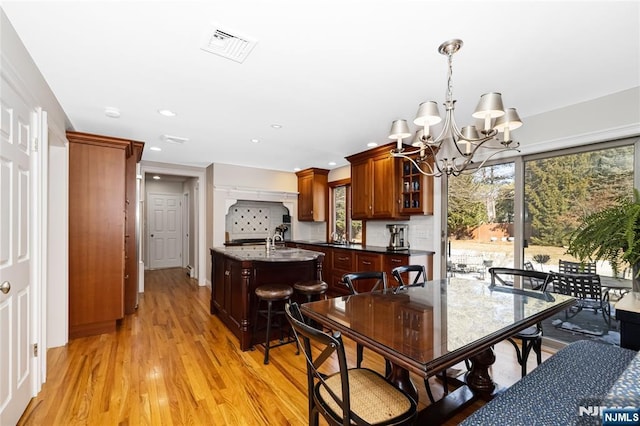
(612, 235)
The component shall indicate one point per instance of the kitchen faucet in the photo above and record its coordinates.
(271, 241)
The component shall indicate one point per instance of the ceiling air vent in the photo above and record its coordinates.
(174, 139)
(227, 43)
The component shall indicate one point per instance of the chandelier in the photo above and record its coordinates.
(453, 150)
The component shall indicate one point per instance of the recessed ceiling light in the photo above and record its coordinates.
(255, 140)
(155, 148)
(166, 112)
(297, 169)
(332, 163)
(372, 144)
(156, 177)
(277, 126)
(112, 112)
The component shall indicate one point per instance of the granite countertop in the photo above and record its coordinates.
(360, 247)
(260, 253)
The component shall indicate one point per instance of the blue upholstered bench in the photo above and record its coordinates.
(582, 372)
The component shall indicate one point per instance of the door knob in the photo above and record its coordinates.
(5, 287)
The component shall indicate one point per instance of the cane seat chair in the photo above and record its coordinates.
(417, 271)
(350, 279)
(351, 396)
(531, 337)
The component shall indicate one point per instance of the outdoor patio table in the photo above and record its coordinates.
(621, 285)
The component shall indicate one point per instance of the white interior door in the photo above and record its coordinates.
(165, 228)
(15, 255)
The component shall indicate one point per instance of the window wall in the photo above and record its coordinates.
(559, 190)
(480, 221)
(521, 213)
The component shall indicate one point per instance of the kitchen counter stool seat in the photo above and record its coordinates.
(311, 288)
(271, 294)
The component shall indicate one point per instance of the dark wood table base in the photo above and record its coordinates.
(477, 384)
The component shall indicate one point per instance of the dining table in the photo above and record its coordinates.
(434, 325)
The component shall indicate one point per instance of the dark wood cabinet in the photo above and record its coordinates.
(366, 262)
(374, 184)
(313, 193)
(341, 260)
(132, 233)
(416, 191)
(233, 285)
(101, 248)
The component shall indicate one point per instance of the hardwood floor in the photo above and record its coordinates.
(172, 362)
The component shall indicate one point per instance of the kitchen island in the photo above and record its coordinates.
(237, 271)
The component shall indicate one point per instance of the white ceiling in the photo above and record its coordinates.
(334, 74)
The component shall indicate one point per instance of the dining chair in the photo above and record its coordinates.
(351, 280)
(588, 289)
(417, 271)
(349, 396)
(531, 337)
(569, 267)
(365, 278)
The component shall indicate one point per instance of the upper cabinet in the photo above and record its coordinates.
(416, 190)
(375, 185)
(313, 193)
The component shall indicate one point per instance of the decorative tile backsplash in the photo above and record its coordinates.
(254, 219)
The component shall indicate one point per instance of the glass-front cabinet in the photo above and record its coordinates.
(417, 190)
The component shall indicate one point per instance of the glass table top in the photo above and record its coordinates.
(424, 323)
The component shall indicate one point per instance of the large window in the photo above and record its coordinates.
(341, 226)
(521, 214)
(558, 191)
(480, 220)
(561, 189)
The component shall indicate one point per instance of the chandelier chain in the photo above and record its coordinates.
(449, 96)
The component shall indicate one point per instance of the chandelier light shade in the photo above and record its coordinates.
(454, 149)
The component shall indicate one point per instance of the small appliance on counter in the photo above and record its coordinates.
(399, 237)
(281, 230)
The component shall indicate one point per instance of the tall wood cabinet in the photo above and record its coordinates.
(102, 203)
(131, 234)
(313, 193)
(375, 192)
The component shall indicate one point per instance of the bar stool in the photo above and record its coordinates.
(271, 293)
(311, 288)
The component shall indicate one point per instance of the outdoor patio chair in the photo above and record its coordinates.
(531, 337)
(569, 267)
(350, 396)
(589, 292)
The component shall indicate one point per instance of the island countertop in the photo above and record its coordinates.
(260, 253)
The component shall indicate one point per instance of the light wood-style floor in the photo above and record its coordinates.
(172, 363)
